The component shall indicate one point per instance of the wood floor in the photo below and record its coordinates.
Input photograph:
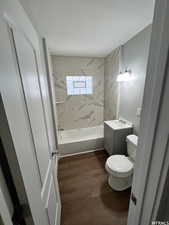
(85, 195)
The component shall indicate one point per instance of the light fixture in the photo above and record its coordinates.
(126, 76)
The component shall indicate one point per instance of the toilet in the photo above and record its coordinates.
(120, 167)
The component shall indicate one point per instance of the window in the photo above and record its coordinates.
(79, 85)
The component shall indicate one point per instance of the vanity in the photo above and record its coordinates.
(115, 132)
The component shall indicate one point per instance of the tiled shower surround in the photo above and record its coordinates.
(79, 111)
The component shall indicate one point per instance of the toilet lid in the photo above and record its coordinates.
(119, 165)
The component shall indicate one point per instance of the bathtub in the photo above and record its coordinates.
(81, 140)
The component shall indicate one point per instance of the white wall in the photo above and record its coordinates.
(134, 57)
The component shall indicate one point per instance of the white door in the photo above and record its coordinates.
(24, 106)
(29, 74)
(27, 67)
(15, 108)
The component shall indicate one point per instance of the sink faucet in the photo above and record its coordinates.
(122, 121)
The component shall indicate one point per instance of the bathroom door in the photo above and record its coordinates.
(29, 76)
(17, 116)
(22, 100)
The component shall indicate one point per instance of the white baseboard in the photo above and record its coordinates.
(80, 153)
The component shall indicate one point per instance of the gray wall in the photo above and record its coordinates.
(79, 111)
(134, 57)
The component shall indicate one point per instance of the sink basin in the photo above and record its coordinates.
(118, 124)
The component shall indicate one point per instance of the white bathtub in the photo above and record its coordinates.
(81, 140)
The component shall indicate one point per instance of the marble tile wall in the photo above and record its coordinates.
(79, 111)
(111, 67)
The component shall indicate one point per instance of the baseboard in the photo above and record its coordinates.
(80, 153)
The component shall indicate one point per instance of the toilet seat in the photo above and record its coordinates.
(119, 166)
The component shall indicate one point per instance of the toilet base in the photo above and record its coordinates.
(119, 183)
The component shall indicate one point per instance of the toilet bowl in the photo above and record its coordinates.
(120, 167)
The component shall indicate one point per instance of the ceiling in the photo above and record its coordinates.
(88, 27)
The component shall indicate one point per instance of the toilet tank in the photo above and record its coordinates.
(132, 142)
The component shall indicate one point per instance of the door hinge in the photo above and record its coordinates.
(133, 198)
(54, 154)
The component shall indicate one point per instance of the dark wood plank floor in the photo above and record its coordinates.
(86, 197)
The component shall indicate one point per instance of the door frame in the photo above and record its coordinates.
(51, 89)
(51, 93)
(148, 164)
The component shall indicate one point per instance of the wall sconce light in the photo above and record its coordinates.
(126, 76)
